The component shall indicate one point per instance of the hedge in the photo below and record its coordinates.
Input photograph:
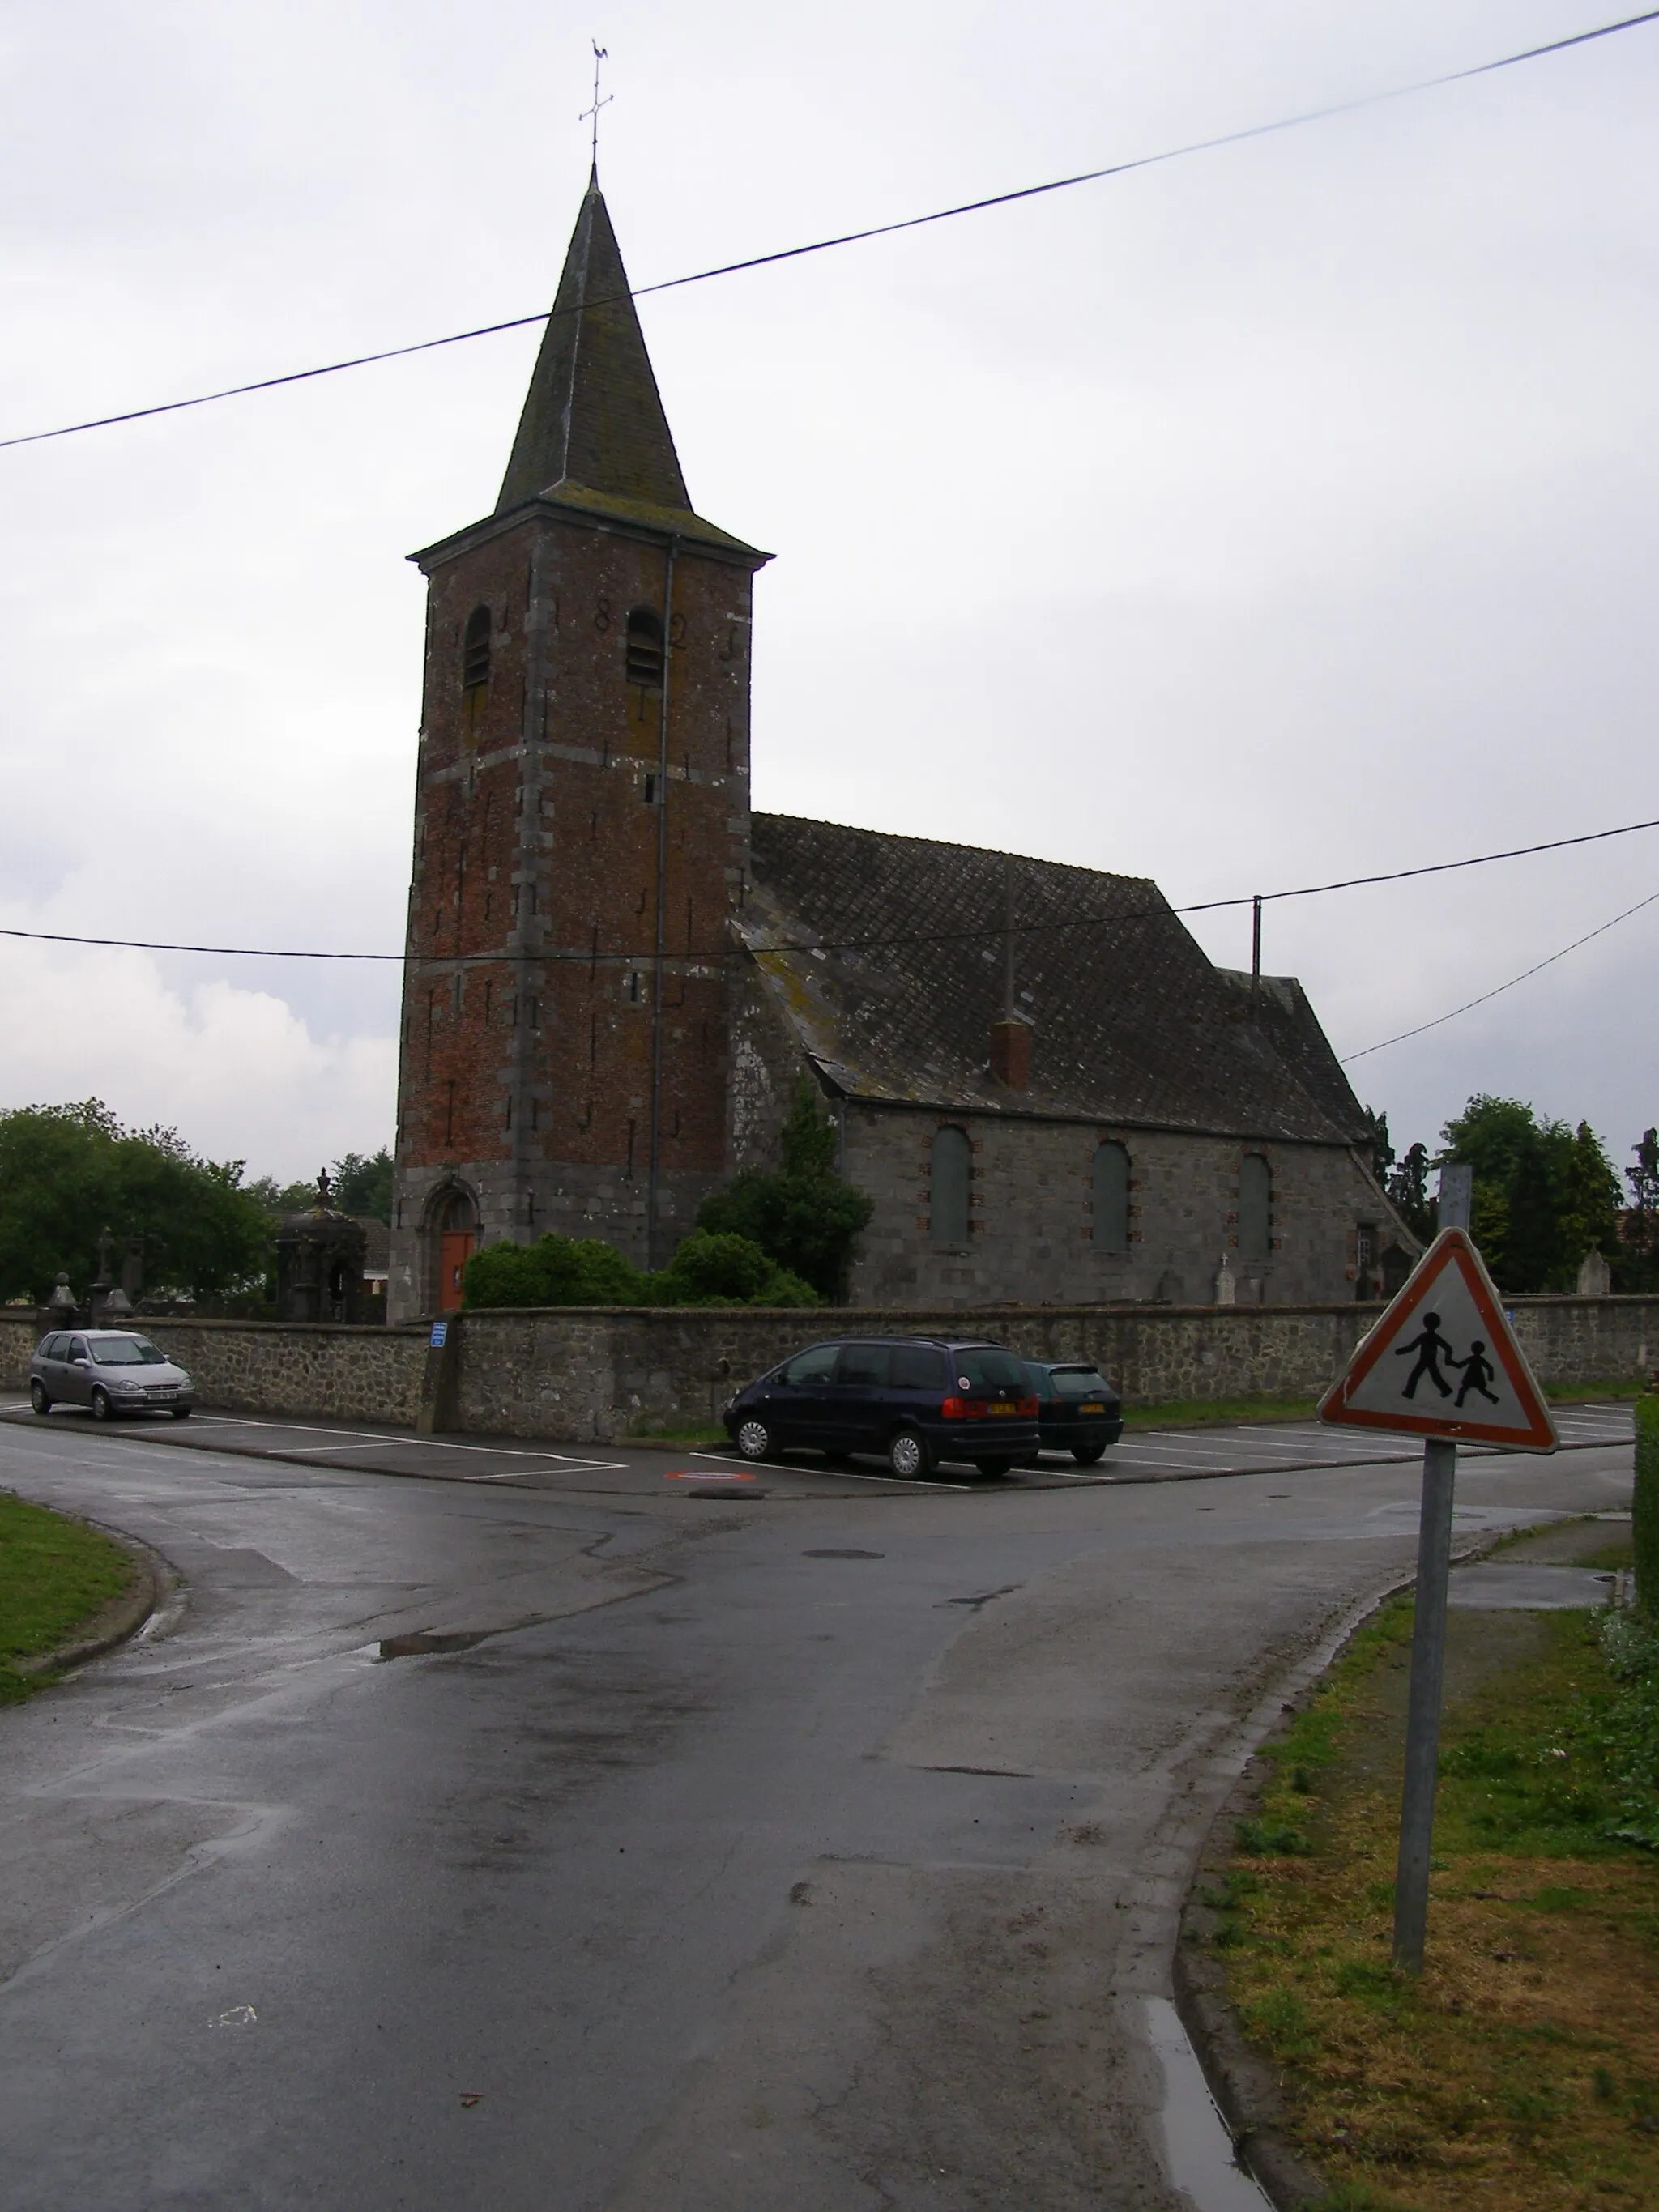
(1645, 1504)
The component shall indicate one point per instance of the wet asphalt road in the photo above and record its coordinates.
(814, 1848)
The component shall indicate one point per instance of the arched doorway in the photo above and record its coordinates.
(455, 1234)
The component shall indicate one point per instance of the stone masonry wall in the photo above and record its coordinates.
(1031, 1231)
(359, 1374)
(594, 1376)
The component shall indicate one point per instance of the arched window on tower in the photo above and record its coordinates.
(1112, 1197)
(645, 648)
(475, 650)
(1255, 1198)
(948, 1197)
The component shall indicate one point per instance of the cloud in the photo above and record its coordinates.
(236, 1070)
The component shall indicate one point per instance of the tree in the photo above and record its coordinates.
(69, 1173)
(1545, 1193)
(1408, 1193)
(805, 1218)
(1382, 1151)
(1635, 1257)
(363, 1186)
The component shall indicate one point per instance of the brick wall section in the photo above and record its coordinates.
(525, 1077)
(592, 1376)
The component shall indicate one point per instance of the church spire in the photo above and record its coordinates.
(592, 419)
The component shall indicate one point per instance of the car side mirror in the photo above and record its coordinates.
(78, 1359)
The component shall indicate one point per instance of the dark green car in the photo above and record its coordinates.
(1078, 1411)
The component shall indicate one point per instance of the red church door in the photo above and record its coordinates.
(455, 1250)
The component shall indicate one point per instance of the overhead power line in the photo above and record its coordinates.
(979, 935)
(1211, 145)
(1498, 989)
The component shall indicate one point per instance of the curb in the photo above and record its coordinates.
(119, 1620)
(1245, 2086)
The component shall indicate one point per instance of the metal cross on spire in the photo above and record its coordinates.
(600, 54)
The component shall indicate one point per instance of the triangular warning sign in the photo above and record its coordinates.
(1442, 1362)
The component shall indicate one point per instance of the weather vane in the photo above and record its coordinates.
(600, 54)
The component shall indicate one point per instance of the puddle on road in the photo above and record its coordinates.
(416, 1646)
(1198, 2152)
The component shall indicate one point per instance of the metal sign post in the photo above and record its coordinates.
(1410, 1886)
(1442, 1364)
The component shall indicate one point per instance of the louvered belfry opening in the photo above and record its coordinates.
(475, 650)
(645, 648)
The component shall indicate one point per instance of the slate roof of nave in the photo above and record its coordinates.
(1132, 1023)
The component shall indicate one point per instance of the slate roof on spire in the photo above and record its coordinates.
(593, 433)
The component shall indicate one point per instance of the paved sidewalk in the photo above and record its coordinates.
(1143, 1456)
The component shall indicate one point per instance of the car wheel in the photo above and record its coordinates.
(181, 1412)
(910, 1455)
(101, 1408)
(754, 1440)
(37, 1397)
(994, 1466)
(1086, 1454)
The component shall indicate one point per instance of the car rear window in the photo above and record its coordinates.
(983, 1369)
(52, 1347)
(917, 1367)
(126, 1352)
(1081, 1382)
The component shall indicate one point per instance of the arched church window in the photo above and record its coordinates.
(1255, 1198)
(475, 650)
(1112, 1197)
(645, 648)
(948, 1198)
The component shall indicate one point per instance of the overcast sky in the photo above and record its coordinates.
(1283, 512)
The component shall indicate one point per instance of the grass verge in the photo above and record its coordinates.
(650, 1433)
(54, 1574)
(1521, 2072)
(1198, 1412)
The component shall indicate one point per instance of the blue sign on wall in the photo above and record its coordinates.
(440, 1331)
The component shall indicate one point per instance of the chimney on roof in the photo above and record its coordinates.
(1010, 1038)
(1010, 1053)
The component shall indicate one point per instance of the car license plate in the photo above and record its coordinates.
(1001, 1406)
(1091, 1409)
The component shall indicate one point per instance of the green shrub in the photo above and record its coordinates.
(725, 1270)
(554, 1270)
(585, 1271)
(1645, 1504)
(807, 1219)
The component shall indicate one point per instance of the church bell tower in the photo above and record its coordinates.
(582, 827)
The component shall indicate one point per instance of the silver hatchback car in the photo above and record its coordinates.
(109, 1369)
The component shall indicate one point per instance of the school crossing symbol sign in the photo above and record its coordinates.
(1442, 1362)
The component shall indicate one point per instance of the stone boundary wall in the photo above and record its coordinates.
(362, 1373)
(591, 1375)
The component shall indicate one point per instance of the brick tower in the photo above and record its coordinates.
(581, 826)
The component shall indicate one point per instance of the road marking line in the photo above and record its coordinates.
(845, 1473)
(423, 1444)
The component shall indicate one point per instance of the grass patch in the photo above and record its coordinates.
(651, 1432)
(1590, 1393)
(54, 1574)
(1521, 2071)
(1198, 1412)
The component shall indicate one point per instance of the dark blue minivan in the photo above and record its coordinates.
(915, 1400)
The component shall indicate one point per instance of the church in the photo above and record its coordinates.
(616, 975)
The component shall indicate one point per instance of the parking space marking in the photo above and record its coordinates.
(841, 1474)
